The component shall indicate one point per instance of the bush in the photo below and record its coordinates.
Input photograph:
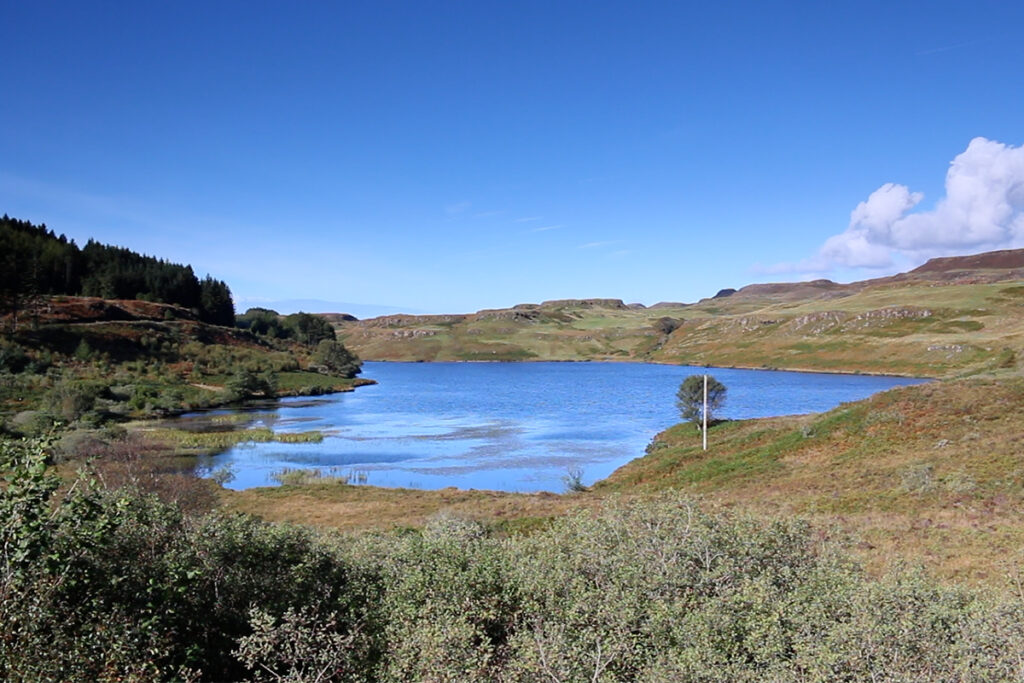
(335, 359)
(245, 384)
(447, 603)
(70, 399)
(13, 358)
(110, 585)
(32, 423)
(113, 584)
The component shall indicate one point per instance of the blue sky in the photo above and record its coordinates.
(452, 156)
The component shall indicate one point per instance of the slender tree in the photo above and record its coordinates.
(690, 398)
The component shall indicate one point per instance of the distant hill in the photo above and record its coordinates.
(1005, 260)
(948, 316)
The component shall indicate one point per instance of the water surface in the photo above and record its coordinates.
(509, 426)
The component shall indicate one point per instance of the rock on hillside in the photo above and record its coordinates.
(585, 303)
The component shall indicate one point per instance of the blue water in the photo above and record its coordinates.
(510, 426)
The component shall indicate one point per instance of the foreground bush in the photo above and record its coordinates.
(102, 584)
(112, 585)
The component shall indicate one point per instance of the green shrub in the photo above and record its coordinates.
(447, 604)
(99, 584)
(13, 357)
(246, 383)
(334, 359)
(70, 398)
(115, 585)
(83, 351)
(32, 423)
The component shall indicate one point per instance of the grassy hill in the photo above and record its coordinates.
(949, 317)
(929, 473)
(82, 362)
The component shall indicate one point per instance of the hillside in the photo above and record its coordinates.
(76, 363)
(35, 261)
(928, 473)
(948, 317)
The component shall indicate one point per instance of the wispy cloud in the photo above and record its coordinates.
(597, 245)
(528, 219)
(545, 228)
(457, 208)
(487, 214)
(947, 48)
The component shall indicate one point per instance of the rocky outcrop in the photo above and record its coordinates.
(519, 315)
(406, 320)
(585, 303)
(824, 321)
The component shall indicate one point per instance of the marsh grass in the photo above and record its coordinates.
(216, 441)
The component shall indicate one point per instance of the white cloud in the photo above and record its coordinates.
(983, 210)
(595, 245)
(545, 228)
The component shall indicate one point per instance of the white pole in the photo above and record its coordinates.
(705, 430)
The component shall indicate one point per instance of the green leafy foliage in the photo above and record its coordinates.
(690, 398)
(263, 321)
(112, 584)
(309, 329)
(335, 359)
(245, 383)
(304, 328)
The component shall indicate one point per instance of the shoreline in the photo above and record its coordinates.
(760, 368)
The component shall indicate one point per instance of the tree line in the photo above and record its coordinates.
(35, 261)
